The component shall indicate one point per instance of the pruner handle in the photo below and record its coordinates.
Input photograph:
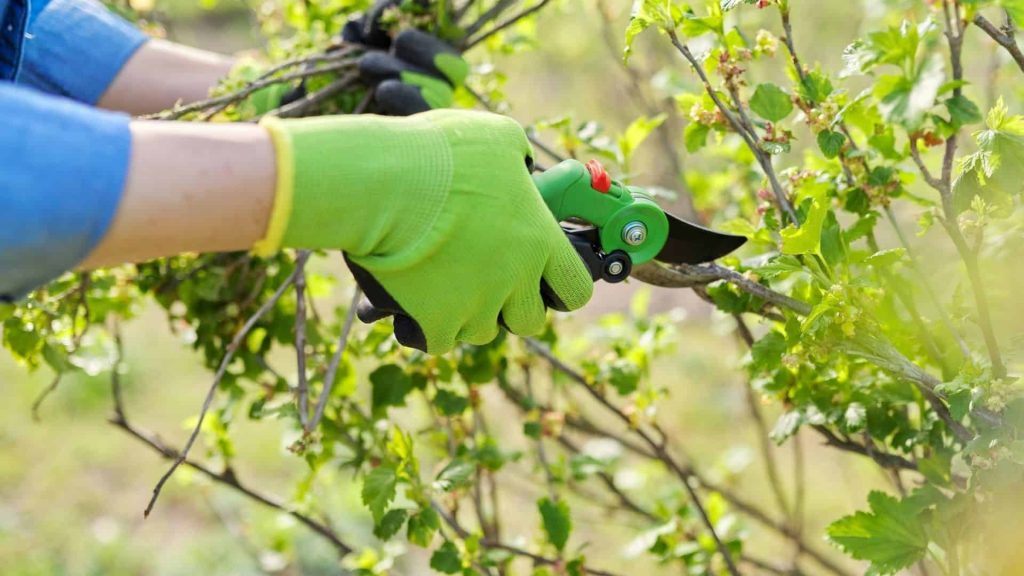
(612, 268)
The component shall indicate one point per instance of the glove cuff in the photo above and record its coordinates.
(284, 194)
(364, 184)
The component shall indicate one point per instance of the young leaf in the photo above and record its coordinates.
(807, 238)
(962, 110)
(885, 258)
(771, 102)
(557, 522)
(695, 136)
(379, 489)
(637, 132)
(456, 474)
(450, 403)
(390, 387)
(904, 99)
(891, 536)
(730, 4)
(830, 143)
(446, 559)
(422, 526)
(390, 524)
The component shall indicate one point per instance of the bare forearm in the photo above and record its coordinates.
(160, 74)
(191, 188)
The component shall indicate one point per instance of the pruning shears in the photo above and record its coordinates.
(614, 227)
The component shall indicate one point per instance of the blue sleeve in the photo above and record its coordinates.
(62, 172)
(75, 48)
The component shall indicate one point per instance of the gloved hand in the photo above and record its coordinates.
(438, 217)
(414, 73)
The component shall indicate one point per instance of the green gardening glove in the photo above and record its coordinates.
(438, 217)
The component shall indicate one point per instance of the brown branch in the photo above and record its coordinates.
(221, 370)
(685, 473)
(763, 436)
(489, 16)
(883, 459)
(740, 126)
(302, 387)
(339, 61)
(312, 100)
(691, 275)
(511, 21)
(226, 477)
(955, 37)
(1004, 37)
(453, 523)
(332, 368)
(656, 446)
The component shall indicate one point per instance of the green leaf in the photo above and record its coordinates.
(446, 559)
(390, 387)
(815, 87)
(456, 474)
(691, 25)
(771, 102)
(390, 524)
(637, 132)
(695, 136)
(450, 403)
(379, 489)
(730, 4)
(830, 143)
(891, 536)
(766, 353)
(1015, 8)
(962, 110)
(996, 171)
(422, 526)
(556, 520)
(885, 258)
(807, 238)
(904, 100)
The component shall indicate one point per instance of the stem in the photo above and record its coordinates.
(221, 370)
(1004, 37)
(740, 126)
(685, 474)
(302, 389)
(332, 368)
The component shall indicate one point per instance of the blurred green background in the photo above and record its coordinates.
(73, 487)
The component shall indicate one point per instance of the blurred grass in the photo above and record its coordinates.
(72, 487)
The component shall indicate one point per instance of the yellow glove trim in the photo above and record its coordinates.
(281, 213)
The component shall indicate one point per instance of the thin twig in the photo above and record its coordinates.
(764, 439)
(489, 16)
(302, 387)
(221, 370)
(332, 368)
(506, 24)
(684, 473)
(311, 101)
(656, 446)
(1004, 38)
(741, 126)
(342, 60)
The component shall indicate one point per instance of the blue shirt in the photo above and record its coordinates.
(62, 164)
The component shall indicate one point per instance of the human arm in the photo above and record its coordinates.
(436, 213)
(80, 50)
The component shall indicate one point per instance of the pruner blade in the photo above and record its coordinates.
(689, 243)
